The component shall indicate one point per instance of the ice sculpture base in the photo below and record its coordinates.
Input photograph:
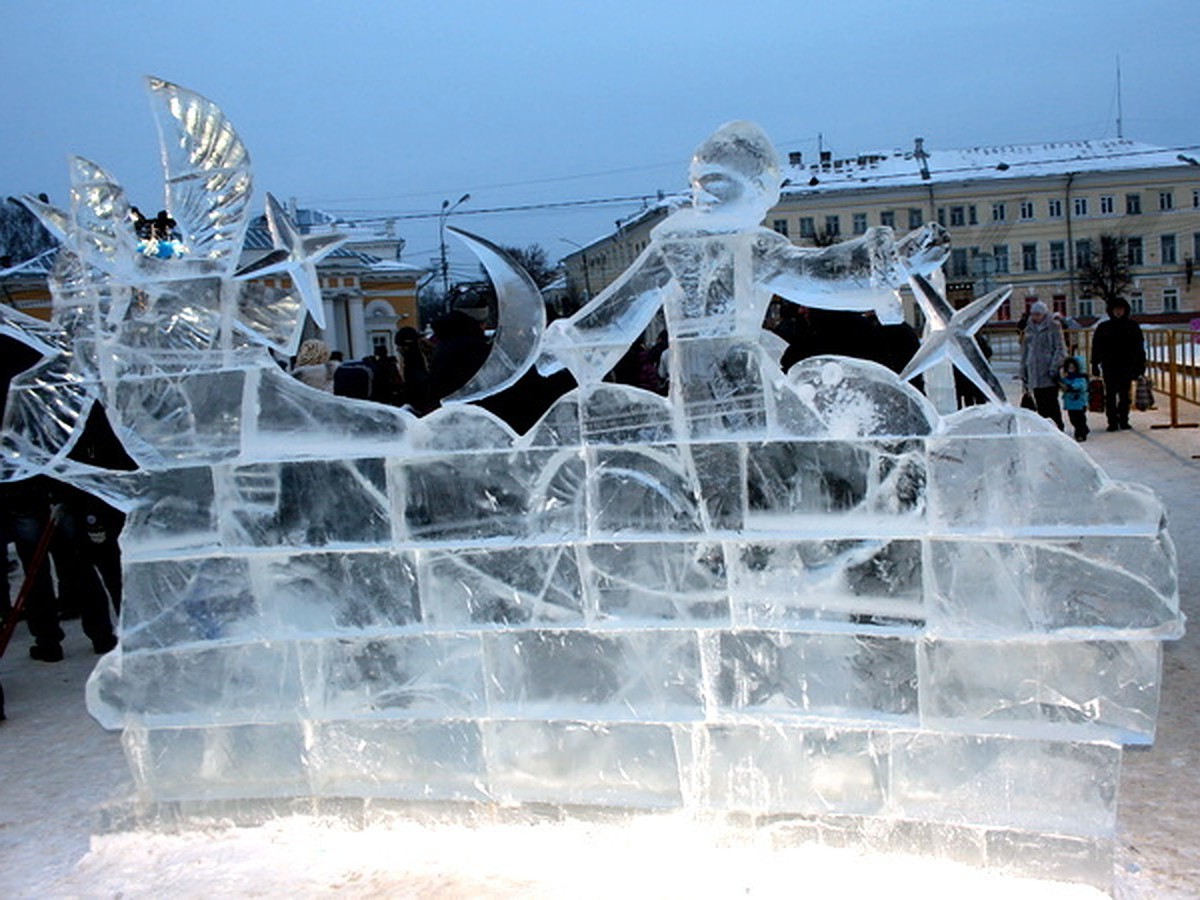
(1085, 860)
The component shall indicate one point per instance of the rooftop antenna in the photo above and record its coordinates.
(1120, 128)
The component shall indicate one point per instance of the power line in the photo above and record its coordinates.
(674, 164)
(493, 210)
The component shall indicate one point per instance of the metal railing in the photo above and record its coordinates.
(1173, 365)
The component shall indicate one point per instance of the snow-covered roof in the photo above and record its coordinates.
(920, 165)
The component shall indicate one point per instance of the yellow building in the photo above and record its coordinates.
(26, 289)
(366, 291)
(1024, 215)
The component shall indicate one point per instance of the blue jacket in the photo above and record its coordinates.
(1075, 391)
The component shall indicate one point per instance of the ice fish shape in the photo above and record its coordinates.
(803, 596)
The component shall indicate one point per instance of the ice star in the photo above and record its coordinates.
(297, 255)
(952, 335)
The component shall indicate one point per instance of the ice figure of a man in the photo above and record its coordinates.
(713, 269)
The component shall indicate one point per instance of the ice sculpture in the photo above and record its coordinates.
(808, 597)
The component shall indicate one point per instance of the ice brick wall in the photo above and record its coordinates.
(912, 619)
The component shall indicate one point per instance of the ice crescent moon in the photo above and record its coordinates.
(520, 321)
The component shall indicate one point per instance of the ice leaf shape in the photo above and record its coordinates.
(207, 169)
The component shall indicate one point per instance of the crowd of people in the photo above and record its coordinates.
(1050, 370)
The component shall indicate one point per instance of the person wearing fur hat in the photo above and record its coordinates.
(1042, 353)
(313, 366)
(1119, 356)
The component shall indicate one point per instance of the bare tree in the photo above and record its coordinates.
(22, 236)
(824, 238)
(534, 261)
(1105, 274)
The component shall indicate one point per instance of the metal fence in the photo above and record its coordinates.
(1171, 363)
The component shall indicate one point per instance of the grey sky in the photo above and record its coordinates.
(390, 107)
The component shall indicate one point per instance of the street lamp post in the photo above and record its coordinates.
(587, 278)
(447, 208)
(985, 267)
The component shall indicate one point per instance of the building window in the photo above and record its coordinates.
(1029, 257)
(1085, 306)
(999, 212)
(1058, 255)
(1107, 205)
(887, 218)
(1054, 209)
(1000, 254)
(914, 219)
(958, 262)
(833, 225)
(1166, 200)
(1196, 246)
(1133, 251)
(1168, 250)
(1137, 303)
(1170, 299)
(1026, 209)
(941, 216)
(958, 217)
(972, 215)
(1196, 198)
(780, 226)
(860, 223)
(1004, 313)
(1133, 204)
(1083, 251)
(807, 227)
(1058, 304)
(1081, 206)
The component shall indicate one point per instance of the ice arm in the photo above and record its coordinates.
(859, 274)
(592, 341)
(851, 275)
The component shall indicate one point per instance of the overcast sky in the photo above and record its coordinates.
(388, 108)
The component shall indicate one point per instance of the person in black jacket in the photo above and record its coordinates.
(1119, 356)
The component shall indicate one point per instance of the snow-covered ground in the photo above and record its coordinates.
(58, 769)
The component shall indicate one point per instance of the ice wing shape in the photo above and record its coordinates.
(56, 220)
(207, 168)
(47, 407)
(48, 403)
(521, 319)
(101, 230)
(270, 315)
(43, 337)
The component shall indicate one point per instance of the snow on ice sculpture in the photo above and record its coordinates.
(807, 596)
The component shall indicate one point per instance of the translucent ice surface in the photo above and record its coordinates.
(804, 595)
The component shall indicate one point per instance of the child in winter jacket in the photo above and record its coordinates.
(1075, 396)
